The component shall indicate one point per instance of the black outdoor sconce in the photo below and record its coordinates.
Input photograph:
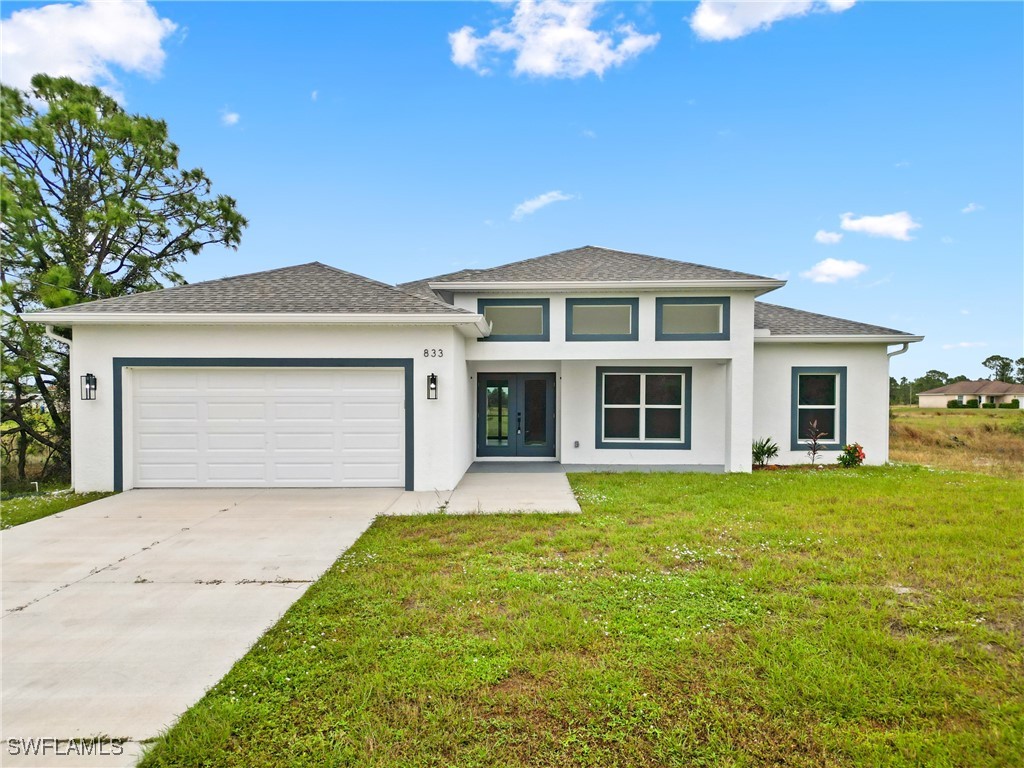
(88, 387)
(432, 386)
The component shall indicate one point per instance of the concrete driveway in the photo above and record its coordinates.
(120, 614)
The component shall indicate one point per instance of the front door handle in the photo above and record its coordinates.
(519, 423)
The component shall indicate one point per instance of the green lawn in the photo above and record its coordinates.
(24, 509)
(866, 617)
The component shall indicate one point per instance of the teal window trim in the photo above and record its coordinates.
(120, 363)
(634, 319)
(544, 304)
(798, 443)
(632, 445)
(659, 314)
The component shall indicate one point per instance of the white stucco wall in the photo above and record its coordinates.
(867, 405)
(439, 460)
(934, 401)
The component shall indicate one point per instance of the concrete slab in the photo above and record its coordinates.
(486, 492)
(118, 615)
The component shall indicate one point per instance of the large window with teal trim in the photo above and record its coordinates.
(643, 408)
(691, 318)
(602, 319)
(818, 408)
(517, 319)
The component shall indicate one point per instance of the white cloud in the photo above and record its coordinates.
(965, 311)
(827, 238)
(730, 19)
(534, 204)
(589, 134)
(947, 240)
(230, 118)
(971, 208)
(552, 38)
(965, 345)
(314, 95)
(894, 225)
(84, 42)
(902, 164)
(781, 276)
(834, 270)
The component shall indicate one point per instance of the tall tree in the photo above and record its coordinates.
(1019, 365)
(1001, 367)
(94, 205)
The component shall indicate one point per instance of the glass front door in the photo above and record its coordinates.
(516, 414)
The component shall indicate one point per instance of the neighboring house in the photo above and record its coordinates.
(311, 376)
(982, 390)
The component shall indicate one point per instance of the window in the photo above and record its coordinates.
(643, 408)
(601, 319)
(703, 318)
(516, 319)
(819, 404)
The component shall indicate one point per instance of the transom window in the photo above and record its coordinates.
(645, 408)
(601, 319)
(819, 407)
(686, 318)
(516, 319)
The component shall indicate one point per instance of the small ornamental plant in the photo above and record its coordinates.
(852, 455)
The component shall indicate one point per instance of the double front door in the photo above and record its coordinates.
(515, 414)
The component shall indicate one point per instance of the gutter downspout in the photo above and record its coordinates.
(56, 336)
(900, 351)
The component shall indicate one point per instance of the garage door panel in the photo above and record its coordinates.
(236, 472)
(168, 473)
(291, 441)
(236, 441)
(157, 441)
(321, 411)
(256, 427)
(168, 411)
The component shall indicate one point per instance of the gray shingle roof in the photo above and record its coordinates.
(783, 321)
(591, 263)
(313, 288)
(979, 387)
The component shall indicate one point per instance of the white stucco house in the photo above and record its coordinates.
(312, 376)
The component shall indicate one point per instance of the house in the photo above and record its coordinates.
(312, 376)
(982, 390)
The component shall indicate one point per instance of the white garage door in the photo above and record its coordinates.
(267, 427)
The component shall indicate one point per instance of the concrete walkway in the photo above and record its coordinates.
(490, 487)
(119, 615)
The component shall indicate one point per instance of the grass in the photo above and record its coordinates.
(15, 510)
(990, 441)
(851, 617)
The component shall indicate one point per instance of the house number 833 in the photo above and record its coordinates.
(433, 353)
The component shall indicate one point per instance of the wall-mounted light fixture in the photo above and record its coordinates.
(88, 387)
(432, 386)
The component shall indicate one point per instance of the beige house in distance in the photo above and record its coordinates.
(983, 390)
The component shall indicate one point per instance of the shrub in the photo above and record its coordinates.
(852, 455)
(988, 405)
(971, 404)
(1012, 404)
(763, 450)
(954, 404)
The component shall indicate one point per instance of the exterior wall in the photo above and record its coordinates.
(934, 401)
(722, 379)
(439, 460)
(867, 395)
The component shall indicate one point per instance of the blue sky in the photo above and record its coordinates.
(719, 135)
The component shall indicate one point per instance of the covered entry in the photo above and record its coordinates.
(516, 414)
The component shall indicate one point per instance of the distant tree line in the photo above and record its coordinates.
(905, 391)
